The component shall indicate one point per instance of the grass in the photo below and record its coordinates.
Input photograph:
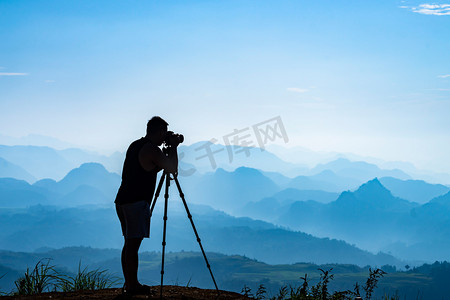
(320, 290)
(87, 280)
(45, 278)
(37, 280)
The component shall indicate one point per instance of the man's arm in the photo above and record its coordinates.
(151, 156)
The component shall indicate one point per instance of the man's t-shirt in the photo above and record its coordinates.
(137, 183)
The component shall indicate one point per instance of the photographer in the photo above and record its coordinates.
(144, 159)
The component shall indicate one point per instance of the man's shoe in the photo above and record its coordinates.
(140, 290)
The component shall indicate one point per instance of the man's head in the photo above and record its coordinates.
(157, 129)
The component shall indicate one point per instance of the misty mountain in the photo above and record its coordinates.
(358, 170)
(444, 200)
(289, 196)
(231, 272)
(366, 216)
(39, 226)
(307, 183)
(90, 184)
(371, 216)
(35, 140)
(414, 190)
(326, 180)
(77, 157)
(85, 195)
(91, 174)
(278, 178)
(41, 162)
(192, 159)
(8, 169)
(232, 157)
(230, 191)
(19, 193)
(44, 162)
(430, 227)
(270, 208)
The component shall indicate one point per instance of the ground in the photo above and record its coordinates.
(169, 292)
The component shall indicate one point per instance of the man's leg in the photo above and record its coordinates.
(124, 264)
(130, 262)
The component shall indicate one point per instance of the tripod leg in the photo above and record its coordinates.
(195, 231)
(166, 202)
(158, 190)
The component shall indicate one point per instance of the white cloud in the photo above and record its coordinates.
(50, 81)
(297, 90)
(444, 76)
(432, 9)
(13, 74)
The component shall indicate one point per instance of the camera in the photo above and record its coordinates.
(173, 139)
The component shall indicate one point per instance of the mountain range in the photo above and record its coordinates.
(91, 184)
(231, 272)
(401, 216)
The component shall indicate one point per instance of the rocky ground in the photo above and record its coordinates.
(169, 292)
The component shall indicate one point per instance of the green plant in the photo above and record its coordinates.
(246, 291)
(189, 281)
(393, 297)
(86, 280)
(320, 290)
(315, 292)
(282, 293)
(261, 292)
(37, 280)
(372, 281)
(44, 277)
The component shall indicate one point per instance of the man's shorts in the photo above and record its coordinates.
(134, 219)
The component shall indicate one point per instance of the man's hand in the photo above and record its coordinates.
(173, 139)
(151, 156)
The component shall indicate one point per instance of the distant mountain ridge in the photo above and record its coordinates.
(230, 271)
(229, 157)
(414, 190)
(230, 191)
(360, 217)
(324, 202)
(92, 183)
(8, 169)
(358, 170)
(41, 162)
(55, 228)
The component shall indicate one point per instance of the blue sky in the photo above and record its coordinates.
(367, 77)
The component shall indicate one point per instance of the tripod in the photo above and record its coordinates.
(166, 176)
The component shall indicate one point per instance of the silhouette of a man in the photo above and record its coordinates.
(144, 159)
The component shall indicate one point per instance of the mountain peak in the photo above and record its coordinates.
(371, 187)
(92, 166)
(375, 181)
(247, 170)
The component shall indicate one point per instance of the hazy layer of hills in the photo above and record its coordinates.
(339, 200)
(88, 184)
(37, 227)
(231, 272)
